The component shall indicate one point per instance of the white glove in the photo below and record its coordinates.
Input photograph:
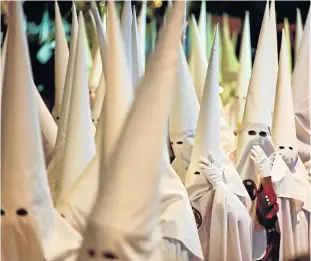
(261, 161)
(211, 169)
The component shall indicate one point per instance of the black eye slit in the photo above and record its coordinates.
(291, 148)
(281, 147)
(197, 173)
(62, 215)
(252, 132)
(57, 118)
(91, 252)
(21, 212)
(92, 120)
(2, 212)
(179, 142)
(109, 255)
(263, 134)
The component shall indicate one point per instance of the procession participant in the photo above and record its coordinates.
(213, 185)
(31, 228)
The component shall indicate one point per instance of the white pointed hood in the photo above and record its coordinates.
(200, 64)
(299, 31)
(55, 166)
(114, 224)
(31, 227)
(288, 183)
(24, 182)
(137, 68)
(142, 34)
(119, 92)
(183, 118)
(208, 136)
(261, 86)
(284, 131)
(202, 26)
(245, 71)
(273, 52)
(185, 107)
(257, 118)
(61, 61)
(126, 25)
(207, 139)
(101, 35)
(301, 84)
(78, 203)
(301, 79)
(79, 147)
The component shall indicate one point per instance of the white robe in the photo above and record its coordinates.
(294, 227)
(293, 214)
(223, 223)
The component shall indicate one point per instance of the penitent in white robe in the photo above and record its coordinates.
(223, 222)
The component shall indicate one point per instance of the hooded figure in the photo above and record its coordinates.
(288, 173)
(217, 210)
(79, 147)
(183, 118)
(255, 146)
(301, 84)
(114, 230)
(77, 204)
(61, 61)
(31, 228)
(55, 165)
(299, 31)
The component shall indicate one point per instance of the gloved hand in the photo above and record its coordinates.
(289, 156)
(211, 169)
(261, 161)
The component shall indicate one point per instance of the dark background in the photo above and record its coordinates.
(44, 73)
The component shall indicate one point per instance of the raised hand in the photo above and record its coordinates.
(261, 161)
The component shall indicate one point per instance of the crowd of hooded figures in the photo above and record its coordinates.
(93, 179)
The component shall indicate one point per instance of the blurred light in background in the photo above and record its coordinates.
(157, 3)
